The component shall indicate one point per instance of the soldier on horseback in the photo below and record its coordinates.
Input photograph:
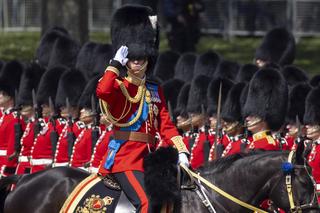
(135, 106)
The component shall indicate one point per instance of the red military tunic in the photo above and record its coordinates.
(100, 149)
(314, 162)
(61, 156)
(131, 153)
(263, 140)
(224, 141)
(26, 142)
(81, 153)
(7, 141)
(235, 144)
(197, 150)
(290, 143)
(41, 155)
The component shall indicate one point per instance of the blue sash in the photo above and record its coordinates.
(114, 145)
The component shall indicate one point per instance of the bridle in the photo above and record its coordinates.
(295, 207)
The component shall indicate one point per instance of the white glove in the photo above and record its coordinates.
(121, 55)
(183, 159)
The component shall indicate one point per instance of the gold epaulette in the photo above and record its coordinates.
(113, 69)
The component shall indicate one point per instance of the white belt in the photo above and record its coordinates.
(94, 170)
(60, 164)
(42, 161)
(3, 152)
(23, 159)
(83, 168)
(318, 187)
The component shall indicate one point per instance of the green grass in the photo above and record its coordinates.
(22, 45)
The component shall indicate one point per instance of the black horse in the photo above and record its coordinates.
(250, 178)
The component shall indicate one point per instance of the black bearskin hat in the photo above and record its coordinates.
(277, 46)
(297, 97)
(184, 69)
(48, 84)
(171, 89)
(312, 107)
(294, 75)
(86, 59)
(65, 51)
(89, 90)
(315, 81)
(10, 77)
(71, 85)
(30, 80)
(206, 63)
(164, 68)
(267, 98)
(246, 72)
(136, 27)
(231, 110)
(103, 54)
(213, 94)
(45, 47)
(227, 70)
(198, 94)
(182, 101)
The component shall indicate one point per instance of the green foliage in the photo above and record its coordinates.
(22, 45)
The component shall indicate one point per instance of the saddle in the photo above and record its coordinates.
(97, 194)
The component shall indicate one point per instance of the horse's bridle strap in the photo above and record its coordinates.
(289, 183)
(221, 192)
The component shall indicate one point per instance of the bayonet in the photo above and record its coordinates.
(206, 144)
(299, 133)
(218, 126)
(54, 137)
(95, 130)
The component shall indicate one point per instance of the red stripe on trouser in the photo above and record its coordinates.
(140, 192)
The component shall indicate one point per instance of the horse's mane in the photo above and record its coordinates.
(224, 163)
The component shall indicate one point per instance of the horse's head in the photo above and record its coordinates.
(293, 187)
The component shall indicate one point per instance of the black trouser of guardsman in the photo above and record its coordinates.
(132, 184)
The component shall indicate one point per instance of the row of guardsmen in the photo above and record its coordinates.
(54, 132)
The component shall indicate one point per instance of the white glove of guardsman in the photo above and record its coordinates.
(121, 55)
(183, 159)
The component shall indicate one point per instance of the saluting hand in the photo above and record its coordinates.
(121, 55)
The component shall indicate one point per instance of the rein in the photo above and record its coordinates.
(220, 191)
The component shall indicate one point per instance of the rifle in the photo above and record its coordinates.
(54, 137)
(17, 129)
(218, 147)
(95, 129)
(70, 135)
(37, 126)
(206, 145)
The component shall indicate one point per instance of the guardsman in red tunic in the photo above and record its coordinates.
(297, 97)
(27, 100)
(10, 119)
(233, 123)
(45, 140)
(197, 106)
(135, 107)
(265, 108)
(213, 99)
(70, 87)
(85, 142)
(312, 121)
(183, 122)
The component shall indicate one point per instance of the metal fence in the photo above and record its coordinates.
(226, 17)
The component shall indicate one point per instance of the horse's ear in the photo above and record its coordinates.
(300, 158)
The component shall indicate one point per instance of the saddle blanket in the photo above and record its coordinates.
(91, 196)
